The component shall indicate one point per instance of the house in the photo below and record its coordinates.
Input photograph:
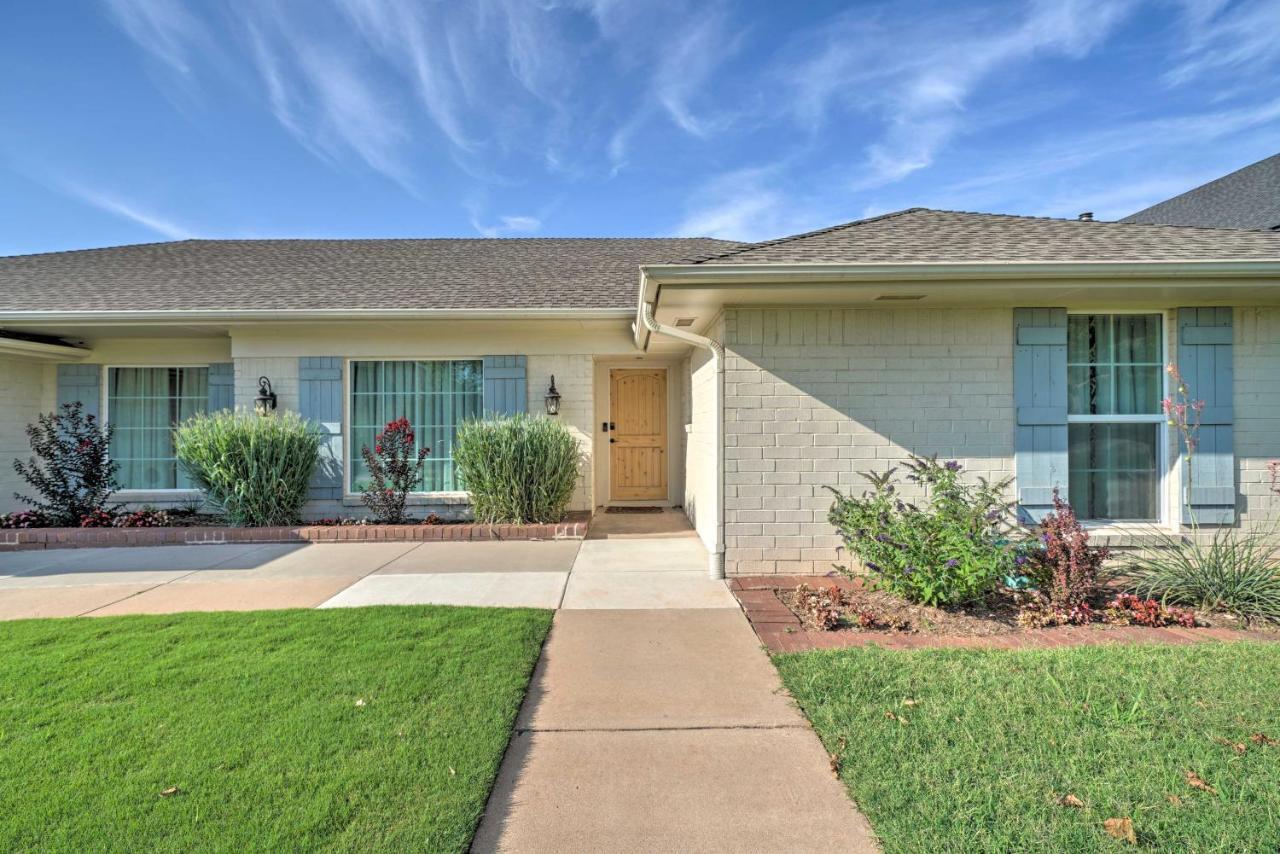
(735, 380)
(1247, 198)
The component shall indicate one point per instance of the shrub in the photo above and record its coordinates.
(254, 469)
(950, 551)
(1129, 610)
(147, 517)
(23, 519)
(1231, 570)
(518, 468)
(72, 469)
(1066, 569)
(395, 469)
(97, 519)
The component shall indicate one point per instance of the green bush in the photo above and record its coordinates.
(1233, 571)
(254, 469)
(518, 468)
(947, 550)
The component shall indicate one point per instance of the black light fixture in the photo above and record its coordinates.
(552, 400)
(265, 402)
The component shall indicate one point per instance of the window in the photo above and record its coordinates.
(144, 405)
(435, 396)
(1115, 381)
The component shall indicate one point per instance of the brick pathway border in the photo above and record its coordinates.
(573, 528)
(781, 631)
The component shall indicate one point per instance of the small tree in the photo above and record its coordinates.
(72, 469)
(395, 468)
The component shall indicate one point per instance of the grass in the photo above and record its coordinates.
(345, 729)
(983, 743)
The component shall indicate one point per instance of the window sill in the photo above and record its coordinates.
(419, 499)
(143, 496)
(1121, 535)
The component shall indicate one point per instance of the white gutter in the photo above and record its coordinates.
(716, 566)
(189, 316)
(41, 350)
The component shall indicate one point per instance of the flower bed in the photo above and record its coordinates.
(574, 527)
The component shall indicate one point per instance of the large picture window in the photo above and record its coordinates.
(1114, 386)
(144, 405)
(435, 396)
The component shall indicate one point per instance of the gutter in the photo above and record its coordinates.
(715, 568)
(189, 316)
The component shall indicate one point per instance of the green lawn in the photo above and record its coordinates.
(366, 728)
(993, 738)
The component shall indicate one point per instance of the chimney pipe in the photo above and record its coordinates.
(1087, 216)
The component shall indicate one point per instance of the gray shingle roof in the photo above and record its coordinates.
(477, 274)
(924, 235)
(1247, 198)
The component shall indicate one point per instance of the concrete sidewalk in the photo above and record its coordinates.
(664, 730)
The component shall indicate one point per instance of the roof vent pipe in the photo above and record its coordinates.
(1087, 216)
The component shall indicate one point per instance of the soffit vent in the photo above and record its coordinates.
(684, 321)
(891, 297)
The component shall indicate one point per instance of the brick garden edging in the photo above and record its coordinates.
(781, 631)
(27, 539)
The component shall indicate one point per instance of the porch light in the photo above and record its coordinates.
(265, 402)
(552, 400)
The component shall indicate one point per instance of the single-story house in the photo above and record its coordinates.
(733, 380)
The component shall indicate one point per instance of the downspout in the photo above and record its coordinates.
(716, 567)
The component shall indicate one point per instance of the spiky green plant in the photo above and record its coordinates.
(254, 469)
(518, 468)
(1232, 570)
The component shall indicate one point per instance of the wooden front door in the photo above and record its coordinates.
(638, 434)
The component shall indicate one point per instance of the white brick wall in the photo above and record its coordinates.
(815, 396)
(574, 379)
(22, 399)
(1256, 397)
(700, 445)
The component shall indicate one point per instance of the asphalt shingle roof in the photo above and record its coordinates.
(925, 235)
(510, 273)
(1247, 198)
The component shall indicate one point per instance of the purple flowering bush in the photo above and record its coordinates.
(950, 548)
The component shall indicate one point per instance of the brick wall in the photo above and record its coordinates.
(1256, 396)
(700, 441)
(22, 398)
(815, 396)
(574, 379)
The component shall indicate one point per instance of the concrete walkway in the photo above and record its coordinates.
(656, 728)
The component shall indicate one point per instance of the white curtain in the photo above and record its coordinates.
(144, 405)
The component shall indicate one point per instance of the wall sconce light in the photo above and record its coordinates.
(552, 400)
(265, 402)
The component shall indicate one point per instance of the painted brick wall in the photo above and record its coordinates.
(22, 398)
(577, 408)
(815, 396)
(700, 441)
(1256, 398)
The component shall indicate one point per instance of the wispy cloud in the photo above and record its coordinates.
(1225, 36)
(164, 28)
(127, 209)
(749, 205)
(917, 74)
(507, 226)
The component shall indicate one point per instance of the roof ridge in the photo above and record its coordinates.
(1199, 187)
(1089, 222)
(746, 247)
(100, 248)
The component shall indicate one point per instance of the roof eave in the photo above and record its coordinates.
(196, 316)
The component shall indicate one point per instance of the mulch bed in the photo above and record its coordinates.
(766, 602)
(574, 527)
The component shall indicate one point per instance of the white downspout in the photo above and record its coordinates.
(716, 567)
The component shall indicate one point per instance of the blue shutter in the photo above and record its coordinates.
(1040, 399)
(504, 385)
(82, 383)
(222, 386)
(320, 401)
(1204, 360)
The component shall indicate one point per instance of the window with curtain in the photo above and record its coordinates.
(1115, 380)
(144, 405)
(435, 396)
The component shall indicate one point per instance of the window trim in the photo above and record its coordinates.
(104, 402)
(1166, 468)
(351, 498)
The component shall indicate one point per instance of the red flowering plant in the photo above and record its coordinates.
(1183, 414)
(395, 469)
(70, 469)
(1066, 571)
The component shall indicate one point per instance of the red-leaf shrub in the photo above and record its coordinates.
(1130, 610)
(97, 519)
(395, 469)
(147, 517)
(1067, 568)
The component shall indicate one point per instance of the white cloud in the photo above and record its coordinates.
(507, 225)
(164, 28)
(126, 209)
(748, 205)
(1224, 36)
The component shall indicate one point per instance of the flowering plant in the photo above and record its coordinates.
(147, 517)
(71, 468)
(948, 550)
(1183, 414)
(23, 519)
(395, 468)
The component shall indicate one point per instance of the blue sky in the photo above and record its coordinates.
(139, 120)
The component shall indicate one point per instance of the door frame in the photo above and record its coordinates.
(604, 373)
